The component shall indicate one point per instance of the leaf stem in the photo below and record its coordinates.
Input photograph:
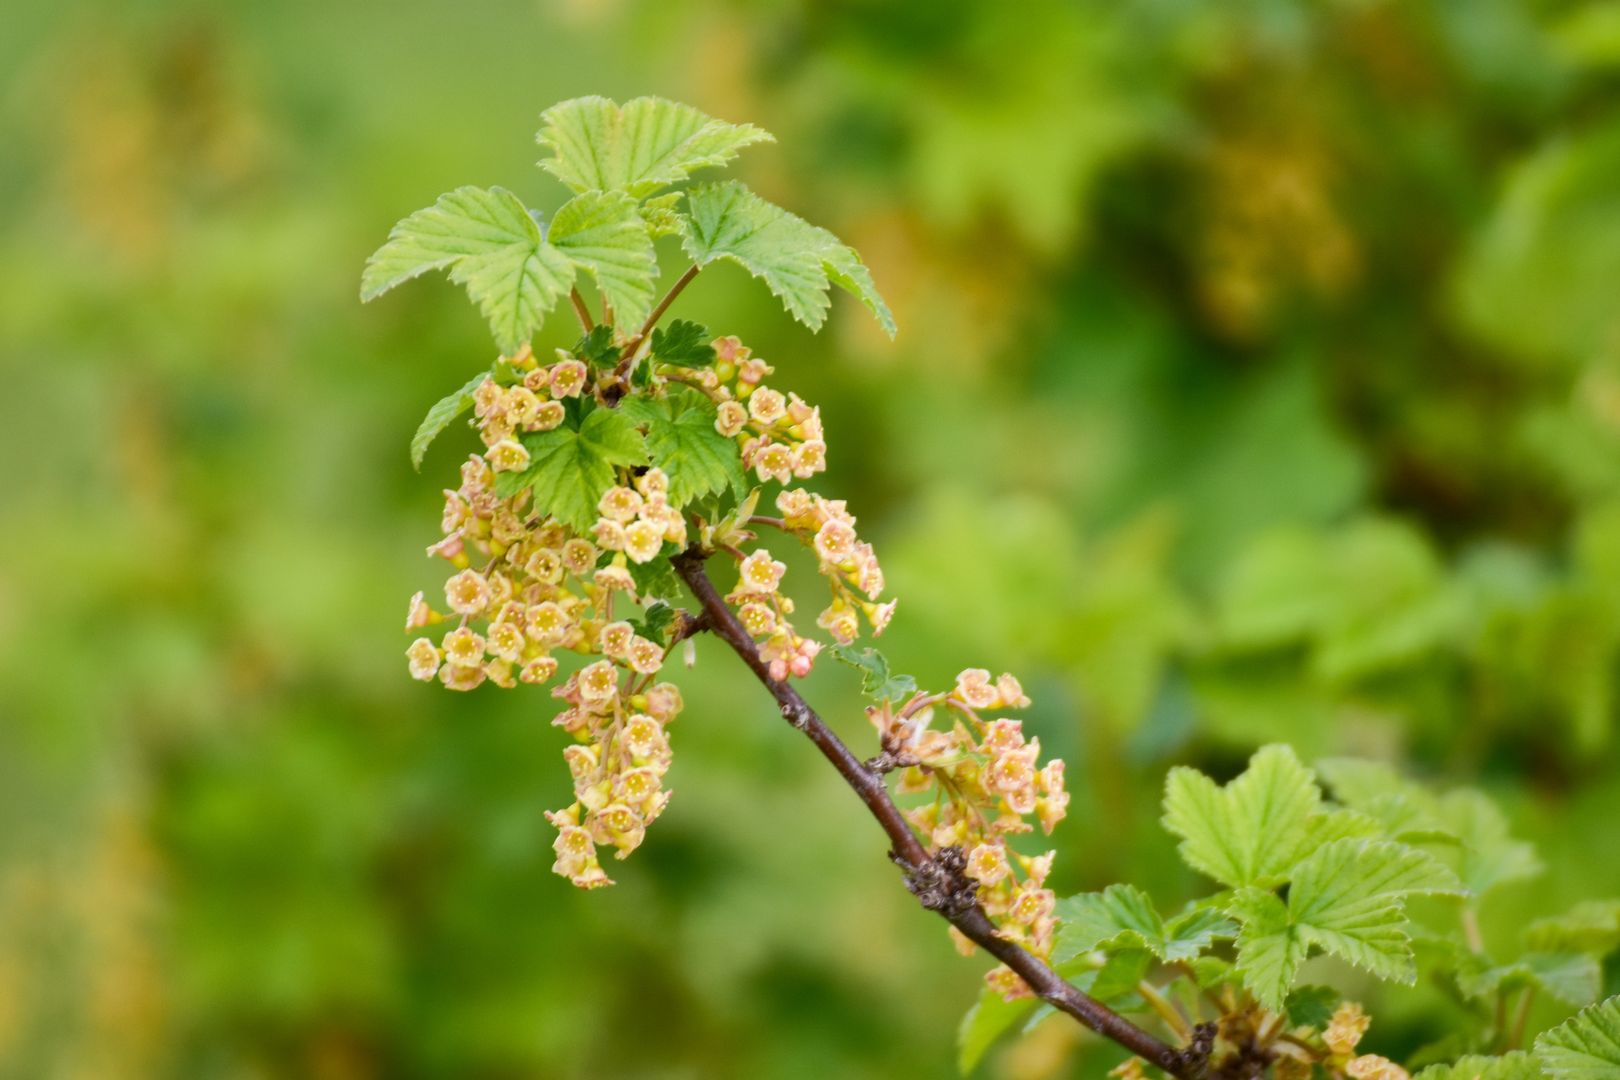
(1521, 1016)
(928, 875)
(582, 312)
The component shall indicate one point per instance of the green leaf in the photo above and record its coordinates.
(1269, 949)
(1573, 978)
(682, 440)
(683, 343)
(1591, 927)
(1250, 832)
(440, 415)
(1378, 790)
(656, 577)
(797, 261)
(1312, 1006)
(570, 468)
(490, 244)
(1347, 898)
(655, 622)
(877, 682)
(647, 144)
(597, 347)
(661, 217)
(1489, 856)
(1584, 1047)
(1122, 915)
(603, 232)
(1518, 1065)
(988, 1019)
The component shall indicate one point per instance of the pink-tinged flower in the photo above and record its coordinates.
(620, 504)
(463, 648)
(880, 615)
(467, 593)
(798, 508)
(1011, 693)
(643, 541)
(620, 826)
(506, 641)
(548, 416)
(751, 371)
(576, 857)
(1374, 1067)
(615, 639)
(508, 455)
(639, 789)
(841, 621)
(488, 398)
(730, 350)
(1002, 736)
(645, 739)
(451, 548)
(424, 659)
(759, 573)
(579, 556)
(1032, 906)
(767, 405)
(598, 682)
(773, 461)
(1039, 866)
(730, 419)
(664, 701)
(608, 534)
(494, 430)
(475, 475)
(455, 677)
(646, 656)
(500, 673)
(987, 864)
(544, 565)
(809, 459)
(420, 614)
(537, 380)
(614, 576)
(538, 671)
(835, 542)
(973, 687)
(522, 405)
(1006, 982)
(798, 410)
(457, 513)
(1011, 773)
(548, 623)
(653, 482)
(582, 762)
(568, 379)
(758, 619)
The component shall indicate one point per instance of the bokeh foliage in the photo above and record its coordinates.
(1259, 379)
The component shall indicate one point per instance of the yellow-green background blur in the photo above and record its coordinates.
(1258, 379)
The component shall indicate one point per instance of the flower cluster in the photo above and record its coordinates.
(780, 435)
(542, 588)
(986, 780)
(620, 757)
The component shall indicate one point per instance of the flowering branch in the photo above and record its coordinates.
(938, 880)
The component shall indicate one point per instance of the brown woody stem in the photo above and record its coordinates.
(935, 878)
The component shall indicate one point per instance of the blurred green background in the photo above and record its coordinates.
(1259, 379)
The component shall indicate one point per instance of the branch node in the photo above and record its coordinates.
(1193, 1058)
(941, 884)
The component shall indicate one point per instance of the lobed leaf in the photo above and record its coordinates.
(440, 416)
(489, 243)
(877, 681)
(570, 468)
(1518, 1065)
(683, 343)
(682, 440)
(646, 144)
(798, 262)
(1250, 832)
(604, 233)
(1585, 1047)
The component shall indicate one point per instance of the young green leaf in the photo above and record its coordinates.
(648, 143)
(603, 232)
(682, 440)
(1250, 832)
(1269, 948)
(1312, 1006)
(1122, 915)
(570, 468)
(439, 417)
(660, 216)
(1489, 856)
(1515, 1066)
(797, 261)
(655, 621)
(683, 343)
(597, 347)
(989, 1018)
(1572, 978)
(1591, 927)
(877, 681)
(490, 244)
(1584, 1047)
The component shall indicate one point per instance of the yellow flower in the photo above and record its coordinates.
(463, 648)
(1346, 1028)
(424, 659)
(467, 593)
(1373, 1067)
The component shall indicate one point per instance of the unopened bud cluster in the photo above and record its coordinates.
(986, 782)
